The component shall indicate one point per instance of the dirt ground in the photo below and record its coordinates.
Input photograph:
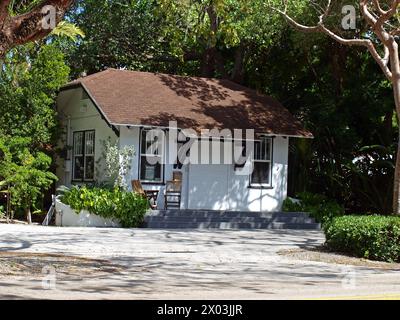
(321, 254)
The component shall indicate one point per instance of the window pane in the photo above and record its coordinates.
(150, 143)
(261, 173)
(89, 168)
(78, 143)
(257, 151)
(78, 168)
(149, 172)
(268, 147)
(262, 150)
(146, 142)
(89, 142)
(143, 142)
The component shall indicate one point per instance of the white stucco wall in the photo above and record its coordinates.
(219, 187)
(69, 105)
(67, 217)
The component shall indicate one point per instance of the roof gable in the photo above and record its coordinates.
(150, 99)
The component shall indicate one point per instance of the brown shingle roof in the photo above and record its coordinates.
(141, 98)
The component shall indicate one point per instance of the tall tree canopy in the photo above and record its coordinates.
(209, 37)
(378, 34)
(29, 80)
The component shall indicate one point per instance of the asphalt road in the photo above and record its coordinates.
(188, 264)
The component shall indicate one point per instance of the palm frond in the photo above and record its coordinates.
(69, 30)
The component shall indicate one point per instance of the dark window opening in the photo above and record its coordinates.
(83, 155)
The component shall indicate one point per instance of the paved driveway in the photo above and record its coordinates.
(188, 264)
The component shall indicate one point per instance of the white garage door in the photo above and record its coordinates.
(208, 187)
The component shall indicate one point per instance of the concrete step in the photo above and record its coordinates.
(228, 214)
(210, 219)
(242, 219)
(231, 225)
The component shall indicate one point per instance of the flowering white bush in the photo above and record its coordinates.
(117, 162)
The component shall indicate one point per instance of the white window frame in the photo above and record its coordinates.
(141, 155)
(267, 158)
(86, 134)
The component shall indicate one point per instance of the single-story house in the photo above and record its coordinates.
(125, 105)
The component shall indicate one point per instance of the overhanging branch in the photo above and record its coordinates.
(16, 30)
(321, 28)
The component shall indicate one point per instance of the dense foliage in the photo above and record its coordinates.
(372, 237)
(119, 34)
(318, 206)
(30, 77)
(126, 207)
(29, 80)
(25, 172)
(340, 95)
(206, 38)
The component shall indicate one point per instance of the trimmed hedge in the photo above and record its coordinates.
(126, 207)
(371, 237)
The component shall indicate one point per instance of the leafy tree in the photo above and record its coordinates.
(29, 80)
(211, 38)
(25, 172)
(119, 34)
(30, 77)
(339, 94)
(378, 34)
(217, 35)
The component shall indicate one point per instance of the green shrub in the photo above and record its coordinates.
(372, 237)
(126, 207)
(318, 206)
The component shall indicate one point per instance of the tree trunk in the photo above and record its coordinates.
(8, 205)
(207, 66)
(28, 215)
(28, 27)
(396, 187)
(238, 72)
(211, 60)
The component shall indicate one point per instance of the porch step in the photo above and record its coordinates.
(280, 219)
(218, 214)
(208, 219)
